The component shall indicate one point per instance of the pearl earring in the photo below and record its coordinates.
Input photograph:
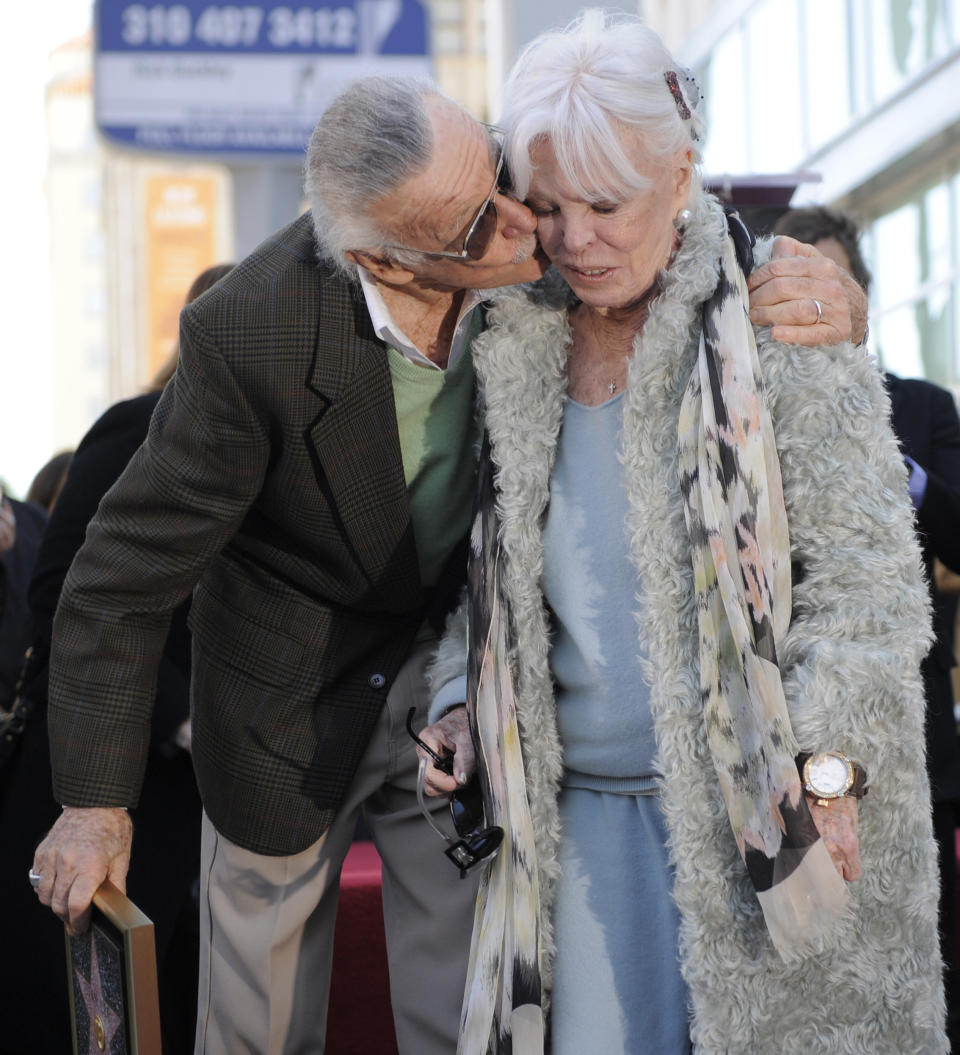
(683, 217)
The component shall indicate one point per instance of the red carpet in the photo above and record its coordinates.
(360, 1021)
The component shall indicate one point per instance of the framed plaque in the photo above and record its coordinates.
(112, 980)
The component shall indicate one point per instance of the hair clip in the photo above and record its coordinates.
(675, 90)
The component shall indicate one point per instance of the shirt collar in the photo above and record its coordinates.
(388, 331)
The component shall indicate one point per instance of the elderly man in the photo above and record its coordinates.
(308, 475)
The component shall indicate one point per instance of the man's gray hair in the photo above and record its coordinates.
(370, 140)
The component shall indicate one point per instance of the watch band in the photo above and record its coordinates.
(859, 786)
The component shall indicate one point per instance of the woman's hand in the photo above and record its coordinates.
(837, 824)
(452, 733)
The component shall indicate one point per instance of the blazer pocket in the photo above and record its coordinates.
(242, 643)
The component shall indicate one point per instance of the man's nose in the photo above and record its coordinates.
(516, 220)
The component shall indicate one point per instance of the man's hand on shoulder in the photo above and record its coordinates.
(784, 293)
(86, 846)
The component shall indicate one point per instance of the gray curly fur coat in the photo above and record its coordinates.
(851, 660)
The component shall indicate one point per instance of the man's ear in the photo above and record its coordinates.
(382, 267)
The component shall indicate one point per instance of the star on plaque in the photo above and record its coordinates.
(104, 1020)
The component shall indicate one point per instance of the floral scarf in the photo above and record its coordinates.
(502, 1010)
(735, 515)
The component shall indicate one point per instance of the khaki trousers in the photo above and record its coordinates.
(267, 923)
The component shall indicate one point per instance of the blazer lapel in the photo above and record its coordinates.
(355, 446)
(900, 416)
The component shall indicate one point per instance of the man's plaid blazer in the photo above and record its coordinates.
(271, 485)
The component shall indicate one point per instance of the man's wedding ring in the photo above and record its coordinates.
(34, 878)
(816, 304)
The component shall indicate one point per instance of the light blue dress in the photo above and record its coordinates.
(617, 988)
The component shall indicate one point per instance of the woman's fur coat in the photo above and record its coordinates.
(860, 627)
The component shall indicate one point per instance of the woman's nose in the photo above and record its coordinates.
(576, 232)
(516, 220)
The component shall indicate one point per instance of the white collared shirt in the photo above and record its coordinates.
(388, 331)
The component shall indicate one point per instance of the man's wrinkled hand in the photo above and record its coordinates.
(837, 824)
(784, 293)
(86, 846)
(452, 733)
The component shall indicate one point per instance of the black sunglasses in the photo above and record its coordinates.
(476, 842)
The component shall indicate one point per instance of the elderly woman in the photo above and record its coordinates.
(696, 623)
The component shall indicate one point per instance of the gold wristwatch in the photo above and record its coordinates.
(829, 775)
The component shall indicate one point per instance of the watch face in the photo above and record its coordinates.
(828, 775)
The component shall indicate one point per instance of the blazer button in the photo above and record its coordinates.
(377, 681)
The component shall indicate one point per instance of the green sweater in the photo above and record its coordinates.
(437, 435)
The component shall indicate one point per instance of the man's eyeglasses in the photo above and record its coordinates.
(480, 233)
(476, 842)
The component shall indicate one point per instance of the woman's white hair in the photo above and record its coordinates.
(582, 88)
(369, 141)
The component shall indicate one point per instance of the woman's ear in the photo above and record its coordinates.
(682, 175)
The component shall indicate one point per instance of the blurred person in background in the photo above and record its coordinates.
(162, 880)
(696, 605)
(21, 529)
(308, 475)
(46, 485)
(927, 425)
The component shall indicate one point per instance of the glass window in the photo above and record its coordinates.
(934, 315)
(896, 256)
(776, 123)
(939, 263)
(859, 62)
(914, 250)
(898, 342)
(827, 70)
(934, 308)
(724, 102)
(906, 35)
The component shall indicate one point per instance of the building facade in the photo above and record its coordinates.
(866, 94)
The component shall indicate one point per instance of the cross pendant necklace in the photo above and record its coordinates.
(612, 387)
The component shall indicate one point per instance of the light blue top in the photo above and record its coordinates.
(603, 702)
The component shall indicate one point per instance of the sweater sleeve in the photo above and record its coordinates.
(860, 622)
(448, 671)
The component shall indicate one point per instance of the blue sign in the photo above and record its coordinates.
(242, 78)
(271, 27)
